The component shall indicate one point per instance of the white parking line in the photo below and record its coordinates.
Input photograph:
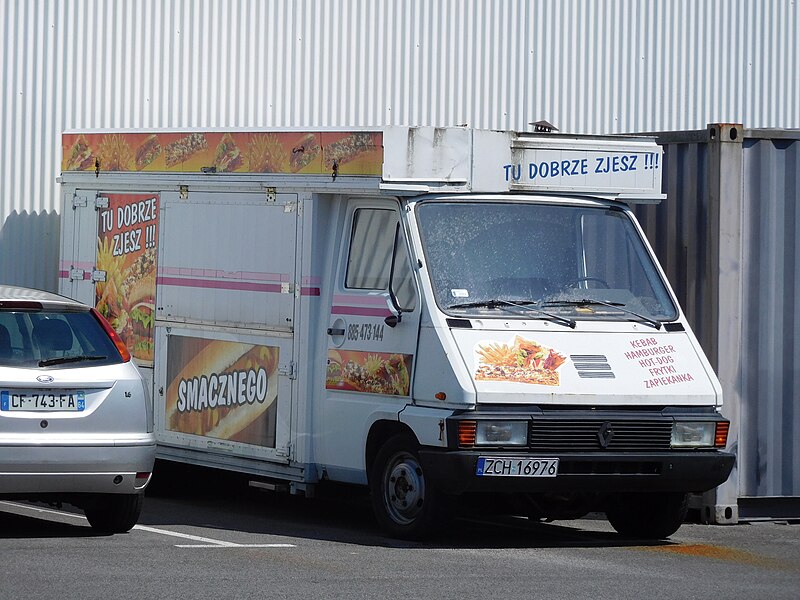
(209, 543)
(205, 542)
(235, 546)
(42, 510)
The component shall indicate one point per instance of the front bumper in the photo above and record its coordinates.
(603, 472)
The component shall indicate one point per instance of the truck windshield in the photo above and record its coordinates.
(579, 261)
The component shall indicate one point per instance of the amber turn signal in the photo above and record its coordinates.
(467, 431)
(721, 434)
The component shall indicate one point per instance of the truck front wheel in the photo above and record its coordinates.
(405, 503)
(648, 516)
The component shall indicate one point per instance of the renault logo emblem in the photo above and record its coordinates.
(605, 434)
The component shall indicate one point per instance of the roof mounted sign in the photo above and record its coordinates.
(620, 166)
(408, 160)
(459, 159)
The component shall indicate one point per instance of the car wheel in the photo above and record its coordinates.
(405, 503)
(647, 516)
(114, 513)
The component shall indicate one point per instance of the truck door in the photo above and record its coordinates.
(79, 245)
(370, 356)
(108, 260)
(225, 321)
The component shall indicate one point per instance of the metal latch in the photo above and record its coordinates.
(289, 370)
(272, 194)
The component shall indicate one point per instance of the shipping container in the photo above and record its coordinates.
(728, 240)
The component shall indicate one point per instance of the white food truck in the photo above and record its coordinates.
(439, 314)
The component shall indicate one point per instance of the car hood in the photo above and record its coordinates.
(586, 368)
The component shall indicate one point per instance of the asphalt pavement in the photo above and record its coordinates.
(209, 535)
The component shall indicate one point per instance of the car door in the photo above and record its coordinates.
(372, 334)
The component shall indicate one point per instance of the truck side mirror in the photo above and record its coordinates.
(397, 313)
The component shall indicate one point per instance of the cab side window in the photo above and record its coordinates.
(374, 241)
(402, 281)
(371, 246)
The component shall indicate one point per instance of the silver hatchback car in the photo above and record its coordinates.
(75, 419)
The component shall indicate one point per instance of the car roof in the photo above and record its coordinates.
(14, 293)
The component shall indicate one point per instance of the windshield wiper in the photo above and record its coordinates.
(68, 359)
(523, 305)
(616, 305)
(480, 304)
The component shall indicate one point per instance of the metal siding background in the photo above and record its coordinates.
(762, 385)
(594, 67)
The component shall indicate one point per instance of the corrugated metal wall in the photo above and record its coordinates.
(771, 366)
(727, 236)
(595, 67)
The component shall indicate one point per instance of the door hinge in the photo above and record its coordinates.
(101, 202)
(79, 201)
(287, 288)
(76, 274)
(290, 370)
(285, 451)
(98, 275)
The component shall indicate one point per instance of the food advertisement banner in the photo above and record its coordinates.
(321, 153)
(222, 390)
(523, 361)
(369, 372)
(127, 243)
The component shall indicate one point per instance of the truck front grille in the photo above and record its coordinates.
(592, 435)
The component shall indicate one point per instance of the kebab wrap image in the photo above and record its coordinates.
(147, 152)
(524, 361)
(80, 156)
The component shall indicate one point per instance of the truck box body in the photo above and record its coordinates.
(427, 311)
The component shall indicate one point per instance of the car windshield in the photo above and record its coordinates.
(54, 339)
(518, 259)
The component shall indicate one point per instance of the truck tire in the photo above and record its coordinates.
(114, 513)
(650, 516)
(406, 505)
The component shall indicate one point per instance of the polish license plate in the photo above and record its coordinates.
(42, 401)
(504, 466)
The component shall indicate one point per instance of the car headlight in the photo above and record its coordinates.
(501, 433)
(693, 434)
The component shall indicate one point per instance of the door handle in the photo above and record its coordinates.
(332, 331)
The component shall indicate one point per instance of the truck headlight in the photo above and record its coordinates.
(502, 433)
(693, 434)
